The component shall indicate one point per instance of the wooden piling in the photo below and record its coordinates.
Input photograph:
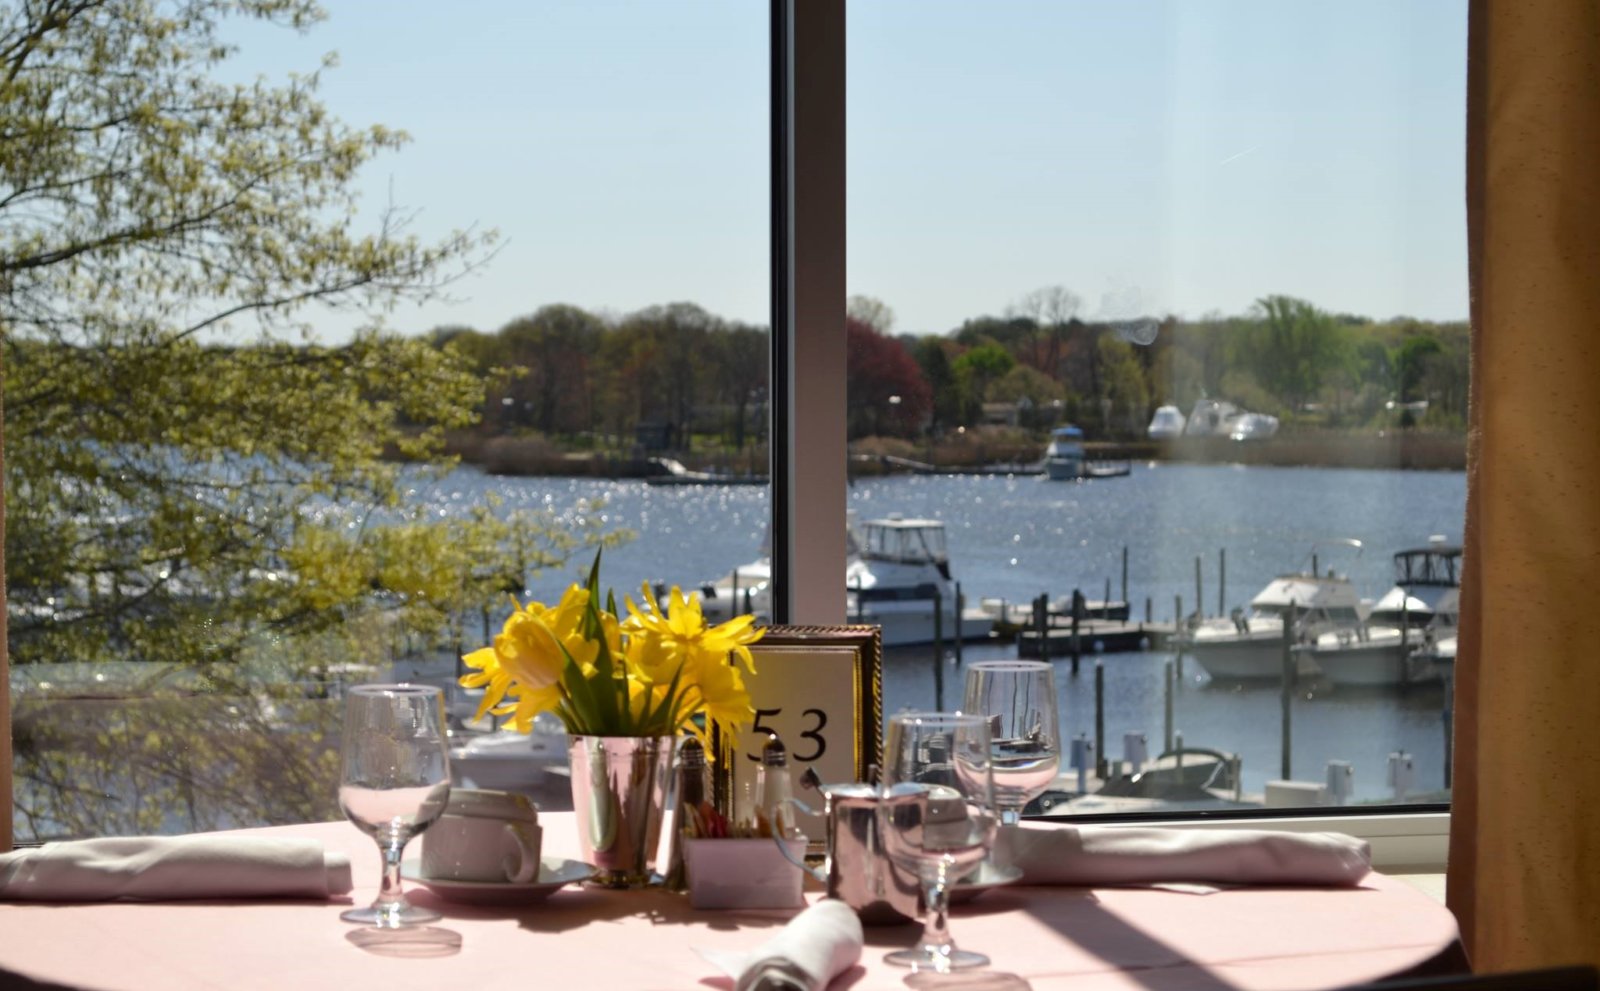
(1177, 633)
(1125, 574)
(1077, 616)
(1287, 690)
(938, 651)
(961, 606)
(1222, 581)
(1166, 734)
(1041, 618)
(1100, 719)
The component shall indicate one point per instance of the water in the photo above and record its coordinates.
(393, 813)
(1013, 538)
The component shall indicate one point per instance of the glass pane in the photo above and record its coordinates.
(216, 525)
(1162, 309)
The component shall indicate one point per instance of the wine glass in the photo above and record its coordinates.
(937, 819)
(394, 782)
(1019, 699)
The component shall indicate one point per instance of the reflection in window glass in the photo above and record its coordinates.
(1160, 329)
(235, 390)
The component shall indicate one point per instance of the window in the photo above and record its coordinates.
(211, 535)
(1079, 209)
(1208, 262)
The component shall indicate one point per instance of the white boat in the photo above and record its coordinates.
(1219, 418)
(901, 571)
(1166, 424)
(1416, 613)
(1248, 646)
(1252, 426)
(1435, 660)
(1063, 458)
(894, 569)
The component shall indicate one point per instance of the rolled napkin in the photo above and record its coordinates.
(155, 868)
(815, 947)
(1150, 855)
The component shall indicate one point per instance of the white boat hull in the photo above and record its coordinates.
(1369, 665)
(1379, 660)
(1243, 657)
(1063, 470)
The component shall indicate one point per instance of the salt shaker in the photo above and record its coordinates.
(775, 794)
(692, 793)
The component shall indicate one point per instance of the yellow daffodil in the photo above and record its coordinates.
(647, 675)
(532, 652)
(682, 637)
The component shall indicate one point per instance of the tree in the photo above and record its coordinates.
(552, 350)
(1409, 361)
(975, 369)
(1291, 346)
(885, 391)
(178, 502)
(933, 357)
(740, 359)
(1125, 404)
(1051, 309)
(875, 313)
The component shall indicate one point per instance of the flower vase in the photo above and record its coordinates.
(619, 793)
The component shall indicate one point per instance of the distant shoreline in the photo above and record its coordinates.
(1405, 450)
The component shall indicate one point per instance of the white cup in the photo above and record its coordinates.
(484, 836)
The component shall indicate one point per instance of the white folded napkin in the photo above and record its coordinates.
(172, 867)
(1114, 855)
(815, 947)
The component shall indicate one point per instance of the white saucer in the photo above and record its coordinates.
(984, 877)
(555, 873)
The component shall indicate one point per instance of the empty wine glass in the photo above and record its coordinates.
(1019, 698)
(937, 819)
(394, 782)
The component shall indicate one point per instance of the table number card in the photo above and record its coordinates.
(819, 689)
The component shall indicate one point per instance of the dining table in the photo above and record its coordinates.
(1137, 938)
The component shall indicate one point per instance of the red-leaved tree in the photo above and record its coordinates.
(886, 390)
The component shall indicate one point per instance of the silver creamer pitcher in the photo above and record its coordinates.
(857, 870)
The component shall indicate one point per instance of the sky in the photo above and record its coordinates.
(1155, 158)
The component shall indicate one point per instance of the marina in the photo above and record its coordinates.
(1012, 538)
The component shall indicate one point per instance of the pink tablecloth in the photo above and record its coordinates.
(1102, 939)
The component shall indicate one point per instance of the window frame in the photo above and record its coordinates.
(807, 429)
(808, 370)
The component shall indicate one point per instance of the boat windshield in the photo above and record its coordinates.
(1427, 567)
(911, 542)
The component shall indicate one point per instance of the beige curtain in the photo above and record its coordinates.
(1525, 843)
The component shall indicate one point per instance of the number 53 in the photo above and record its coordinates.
(814, 734)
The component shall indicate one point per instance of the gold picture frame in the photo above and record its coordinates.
(804, 676)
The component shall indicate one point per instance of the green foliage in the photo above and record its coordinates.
(177, 504)
(933, 357)
(1291, 347)
(975, 369)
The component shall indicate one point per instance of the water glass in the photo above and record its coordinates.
(394, 782)
(1019, 699)
(937, 820)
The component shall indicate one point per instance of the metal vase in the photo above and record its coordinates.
(619, 791)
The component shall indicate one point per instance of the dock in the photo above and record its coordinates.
(1103, 626)
(1095, 636)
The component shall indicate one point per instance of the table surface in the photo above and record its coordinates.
(1084, 939)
